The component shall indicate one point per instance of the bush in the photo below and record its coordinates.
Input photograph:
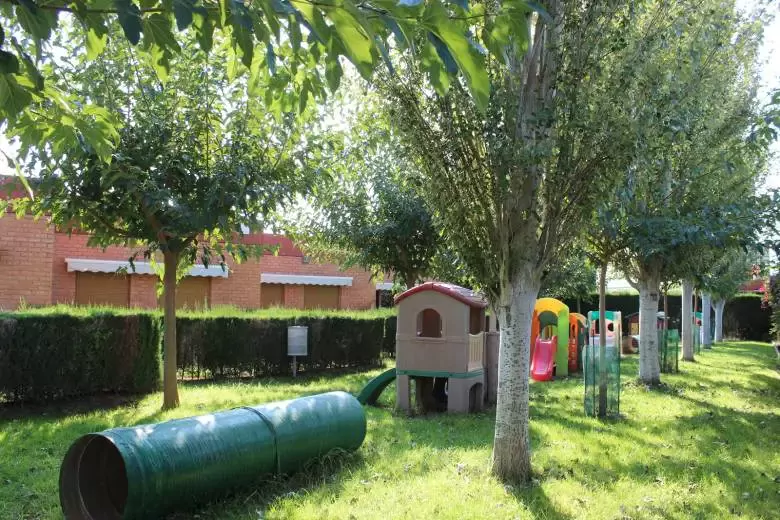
(746, 318)
(51, 356)
(244, 346)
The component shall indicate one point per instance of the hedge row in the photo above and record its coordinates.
(241, 347)
(743, 318)
(56, 356)
(45, 356)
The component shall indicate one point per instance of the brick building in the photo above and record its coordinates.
(41, 266)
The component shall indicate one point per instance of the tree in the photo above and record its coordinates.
(509, 185)
(691, 182)
(367, 211)
(571, 276)
(193, 165)
(723, 280)
(268, 40)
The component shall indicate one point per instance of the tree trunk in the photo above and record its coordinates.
(511, 447)
(649, 367)
(719, 306)
(603, 341)
(706, 321)
(170, 391)
(686, 321)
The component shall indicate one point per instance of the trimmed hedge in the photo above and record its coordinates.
(45, 357)
(746, 318)
(743, 317)
(242, 347)
(53, 353)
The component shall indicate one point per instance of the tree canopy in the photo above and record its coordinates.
(290, 50)
(197, 162)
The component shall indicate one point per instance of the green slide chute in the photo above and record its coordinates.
(373, 389)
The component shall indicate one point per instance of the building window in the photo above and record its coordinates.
(271, 295)
(321, 297)
(102, 289)
(429, 324)
(305, 259)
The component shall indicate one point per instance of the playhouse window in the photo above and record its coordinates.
(428, 324)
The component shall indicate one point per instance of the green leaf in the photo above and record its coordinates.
(31, 71)
(294, 33)
(130, 19)
(13, 98)
(303, 97)
(333, 73)
(9, 64)
(36, 22)
(432, 65)
(470, 62)
(270, 58)
(97, 35)
(444, 54)
(182, 10)
(204, 31)
(241, 22)
(160, 42)
(357, 43)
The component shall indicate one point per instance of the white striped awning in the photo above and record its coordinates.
(384, 286)
(299, 279)
(112, 266)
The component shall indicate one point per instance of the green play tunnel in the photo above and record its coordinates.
(148, 470)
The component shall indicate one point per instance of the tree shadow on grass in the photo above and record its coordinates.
(325, 476)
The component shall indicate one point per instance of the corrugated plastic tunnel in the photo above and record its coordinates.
(147, 471)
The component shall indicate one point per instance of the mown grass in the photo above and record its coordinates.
(705, 445)
(222, 311)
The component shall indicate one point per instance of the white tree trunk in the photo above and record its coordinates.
(706, 322)
(686, 320)
(511, 444)
(719, 306)
(649, 367)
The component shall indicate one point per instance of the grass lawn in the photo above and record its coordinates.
(705, 446)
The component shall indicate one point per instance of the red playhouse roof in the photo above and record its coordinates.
(756, 286)
(457, 292)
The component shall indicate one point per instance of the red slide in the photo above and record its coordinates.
(544, 358)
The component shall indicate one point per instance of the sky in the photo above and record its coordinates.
(770, 77)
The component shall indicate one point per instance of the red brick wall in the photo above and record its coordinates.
(26, 250)
(32, 266)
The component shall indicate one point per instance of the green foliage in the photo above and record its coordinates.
(188, 175)
(240, 347)
(508, 199)
(746, 317)
(690, 178)
(58, 355)
(569, 276)
(265, 38)
(367, 211)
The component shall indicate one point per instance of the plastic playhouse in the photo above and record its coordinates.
(440, 345)
(550, 339)
(614, 329)
(578, 338)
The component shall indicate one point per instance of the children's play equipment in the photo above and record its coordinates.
(440, 346)
(149, 470)
(578, 333)
(593, 368)
(697, 317)
(550, 347)
(614, 329)
(371, 392)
